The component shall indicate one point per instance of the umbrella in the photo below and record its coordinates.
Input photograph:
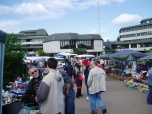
(104, 56)
(146, 57)
(126, 55)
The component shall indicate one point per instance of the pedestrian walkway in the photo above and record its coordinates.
(118, 99)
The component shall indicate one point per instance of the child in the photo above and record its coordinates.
(78, 81)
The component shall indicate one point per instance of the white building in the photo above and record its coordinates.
(66, 42)
(136, 37)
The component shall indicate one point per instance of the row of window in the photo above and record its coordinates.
(126, 46)
(32, 40)
(136, 28)
(138, 34)
(72, 44)
(148, 21)
(145, 39)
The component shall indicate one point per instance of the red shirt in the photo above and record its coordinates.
(100, 66)
(80, 78)
(85, 62)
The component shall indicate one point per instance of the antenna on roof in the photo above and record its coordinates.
(99, 15)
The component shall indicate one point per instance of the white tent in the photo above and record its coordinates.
(85, 55)
(66, 54)
(28, 59)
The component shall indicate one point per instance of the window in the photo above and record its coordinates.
(133, 45)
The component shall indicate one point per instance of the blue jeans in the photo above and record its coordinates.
(96, 98)
(87, 89)
(69, 103)
(149, 98)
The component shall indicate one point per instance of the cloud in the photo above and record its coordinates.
(31, 10)
(127, 19)
(10, 26)
(5, 9)
(43, 9)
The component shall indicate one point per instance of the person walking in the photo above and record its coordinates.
(50, 92)
(97, 85)
(78, 81)
(86, 73)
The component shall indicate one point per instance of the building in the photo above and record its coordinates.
(66, 42)
(136, 37)
(32, 40)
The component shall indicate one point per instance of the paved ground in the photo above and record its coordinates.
(118, 99)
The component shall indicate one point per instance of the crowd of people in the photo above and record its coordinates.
(53, 89)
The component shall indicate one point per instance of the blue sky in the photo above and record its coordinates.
(75, 16)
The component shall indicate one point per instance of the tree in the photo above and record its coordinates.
(12, 43)
(13, 59)
(150, 51)
(42, 53)
(79, 50)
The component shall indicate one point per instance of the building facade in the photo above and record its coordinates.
(136, 37)
(66, 42)
(32, 40)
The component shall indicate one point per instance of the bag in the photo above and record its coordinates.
(30, 101)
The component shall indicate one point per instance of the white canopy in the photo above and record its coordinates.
(28, 59)
(84, 55)
(67, 54)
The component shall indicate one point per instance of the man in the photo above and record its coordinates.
(50, 91)
(97, 84)
(32, 88)
(69, 69)
(69, 93)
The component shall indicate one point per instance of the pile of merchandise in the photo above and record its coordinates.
(137, 84)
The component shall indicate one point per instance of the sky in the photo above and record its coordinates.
(73, 16)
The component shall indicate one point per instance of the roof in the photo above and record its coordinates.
(139, 24)
(71, 36)
(2, 36)
(39, 32)
(147, 19)
(136, 26)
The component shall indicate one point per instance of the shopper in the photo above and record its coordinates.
(50, 92)
(78, 81)
(68, 91)
(32, 88)
(97, 84)
(69, 69)
(86, 73)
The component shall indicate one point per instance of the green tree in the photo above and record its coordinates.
(150, 51)
(79, 50)
(13, 59)
(42, 53)
(12, 43)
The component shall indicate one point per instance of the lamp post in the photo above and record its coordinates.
(2, 46)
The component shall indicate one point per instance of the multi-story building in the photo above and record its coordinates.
(66, 42)
(136, 37)
(32, 40)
